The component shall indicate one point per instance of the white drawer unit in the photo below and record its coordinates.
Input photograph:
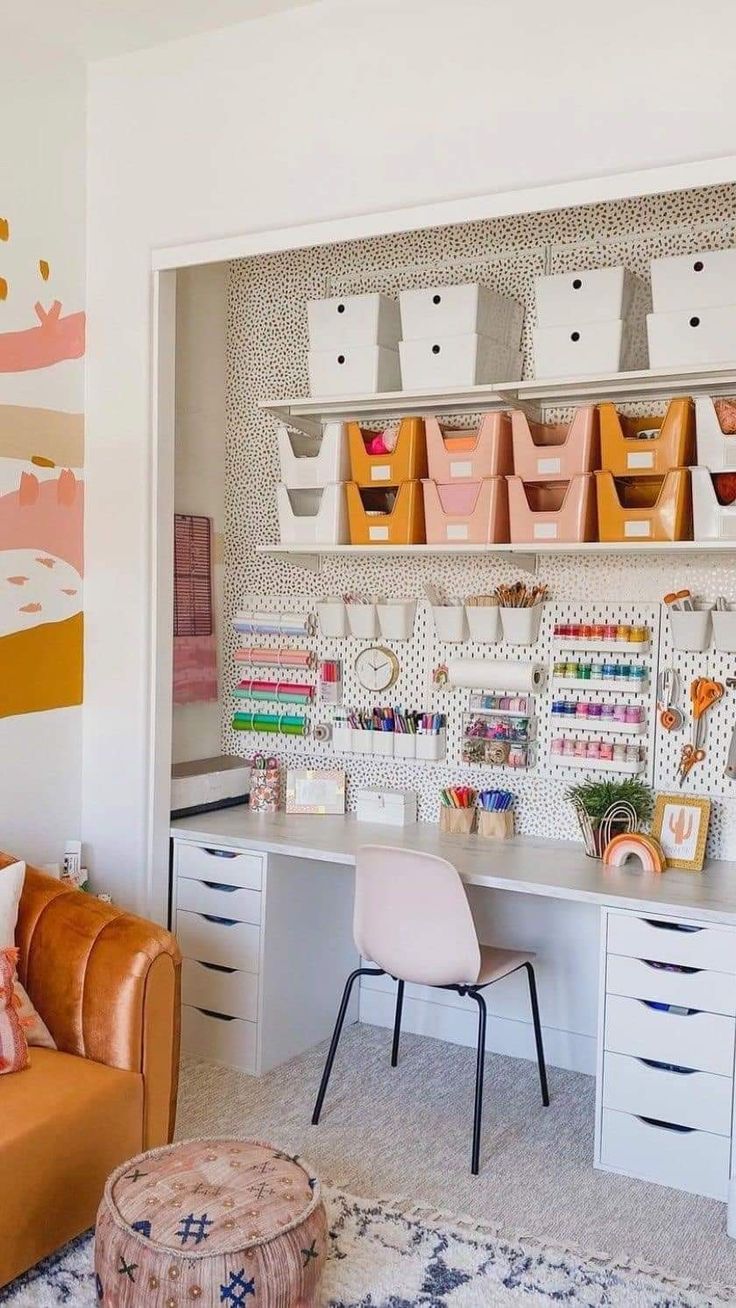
(712, 992)
(217, 939)
(689, 337)
(591, 295)
(346, 320)
(667, 940)
(219, 1038)
(460, 311)
(218, 899)
(220, 989)
(687, 280)
(667, 1092)
(695, 1161)
(703, 1041)
(215, 863)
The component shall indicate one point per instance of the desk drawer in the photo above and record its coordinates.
(219, 940)
(222, 1039)
(703, 1041)
(712, 992)
(213, 863)
(219, 899)
(672, 942)
(231, 992)
(687, 1160)
(697, 1099)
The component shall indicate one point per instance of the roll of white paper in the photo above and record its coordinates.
(495, 674)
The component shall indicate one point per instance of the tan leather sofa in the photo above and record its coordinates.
(107, 985)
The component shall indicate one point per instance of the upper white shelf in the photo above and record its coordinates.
(307, 412)
(526, 557)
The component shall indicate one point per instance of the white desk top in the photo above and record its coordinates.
(556, 869)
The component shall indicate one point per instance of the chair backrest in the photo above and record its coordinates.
(412, 917)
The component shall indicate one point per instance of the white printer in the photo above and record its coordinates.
(205, 784)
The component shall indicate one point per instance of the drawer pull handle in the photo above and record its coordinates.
(673, 1010)
(221, 1017)
(221, 853)
(219, 885)
(667, 1067)
(671, 967)
(217, 967)
(667, 1126)
(670, 926)
(220, 921)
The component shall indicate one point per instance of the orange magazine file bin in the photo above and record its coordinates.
(645, 508)
(626, 454)
(407, 461)
(386, 515)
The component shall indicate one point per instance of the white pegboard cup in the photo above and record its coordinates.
(724, 630)
(691, 630)
(333, 618)
(521, 626)
(396, 619)
(484, 622)
(363, 620)
(450, 622)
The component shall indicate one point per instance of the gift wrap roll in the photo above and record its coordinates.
(495, 674)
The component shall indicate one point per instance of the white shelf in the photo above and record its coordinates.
(620, 685)
(597, 726)
(597, 764)
(603, 646)
(526, 556)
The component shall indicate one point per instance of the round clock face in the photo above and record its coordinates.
(376, 668)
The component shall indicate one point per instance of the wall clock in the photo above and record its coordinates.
(376, 668)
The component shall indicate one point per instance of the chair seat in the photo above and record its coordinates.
(495, 963)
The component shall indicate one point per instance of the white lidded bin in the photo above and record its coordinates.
(711, 520)
(450, 622)
(395, 808)
(396, 619)
(363, 620)
(716, 451)
(312, 517)
(484, 622)
(464, 310)
(307, 462)
(333, 618)
(445, 361)
(354, 370)
(686, 280)
(690, 630)
(344, 320)
(584, 349)
(591, 295)
(688, 337)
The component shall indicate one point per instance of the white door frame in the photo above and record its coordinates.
(164, 263)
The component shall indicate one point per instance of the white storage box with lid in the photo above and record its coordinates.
(312, 517)
(445, 361)
(592, 295)
(463, 310)
(716, 450)
(690, 281)
(354, 370)
(585, 350)
(353, 320)
(395, 808)
(688, 337)
(309, 462)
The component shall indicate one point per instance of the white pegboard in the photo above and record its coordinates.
(706, 778)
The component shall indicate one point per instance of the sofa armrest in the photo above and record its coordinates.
(107, 984)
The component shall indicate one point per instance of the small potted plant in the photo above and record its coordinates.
(606, 808)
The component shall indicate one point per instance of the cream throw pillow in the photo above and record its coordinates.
(11, 887)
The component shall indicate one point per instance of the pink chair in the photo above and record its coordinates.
(413, 920)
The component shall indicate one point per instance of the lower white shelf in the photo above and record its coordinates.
(597, 764)
(632, 685)
(602, 646)
(597, 726)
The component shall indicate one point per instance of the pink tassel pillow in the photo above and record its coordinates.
(13, 1043)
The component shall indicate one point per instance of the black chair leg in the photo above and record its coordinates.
(397, 1024)
(538, 1034)
(479, 1076)
(359, 971)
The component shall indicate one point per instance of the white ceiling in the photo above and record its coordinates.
(95, 29)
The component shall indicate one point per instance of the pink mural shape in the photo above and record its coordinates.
(56, 339)
(195, 669)
(46, 516)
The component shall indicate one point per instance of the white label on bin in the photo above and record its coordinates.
(378, 533)
(548, 467)
(461, 469)
(640, 460)
(457, 531)
(637, 529)
(545, 531)
(381, 473)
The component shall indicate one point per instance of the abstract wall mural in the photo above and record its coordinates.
(41, 491)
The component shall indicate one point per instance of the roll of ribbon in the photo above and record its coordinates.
(495, 674)
(322, 731)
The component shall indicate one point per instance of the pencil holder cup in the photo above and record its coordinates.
(690, 631)
(484, 622)
(363, 620)
(496, 826)
(457, 821)
(724, 630)
(342, 739)
(521, 626)
(333, 618)
(405, 744)
(363, 741)
(432, 748)
(449, 622)
(396, 619)
(383, 743)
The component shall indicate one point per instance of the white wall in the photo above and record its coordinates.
(335, 109)
(42, 111)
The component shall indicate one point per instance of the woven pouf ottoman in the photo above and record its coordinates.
(211, 1222)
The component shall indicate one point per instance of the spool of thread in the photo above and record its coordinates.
(322, 731)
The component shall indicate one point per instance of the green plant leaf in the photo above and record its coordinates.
(596, 797)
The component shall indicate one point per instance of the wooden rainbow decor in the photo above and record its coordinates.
(635, 844)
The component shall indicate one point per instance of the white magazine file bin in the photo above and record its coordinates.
(715, 450)
(309, 462)
(312, 517)
(711, 520)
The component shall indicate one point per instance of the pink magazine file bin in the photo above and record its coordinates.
(553, 511)
(462, 455)
(555, 451)
(467, 512)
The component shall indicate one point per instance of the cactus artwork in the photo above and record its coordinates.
(680, 825)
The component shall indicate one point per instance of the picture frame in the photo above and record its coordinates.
(680, 824)
(315, 790)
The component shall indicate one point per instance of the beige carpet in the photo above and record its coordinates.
(405, 1132)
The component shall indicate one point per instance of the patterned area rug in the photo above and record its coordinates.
(388, 1255)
